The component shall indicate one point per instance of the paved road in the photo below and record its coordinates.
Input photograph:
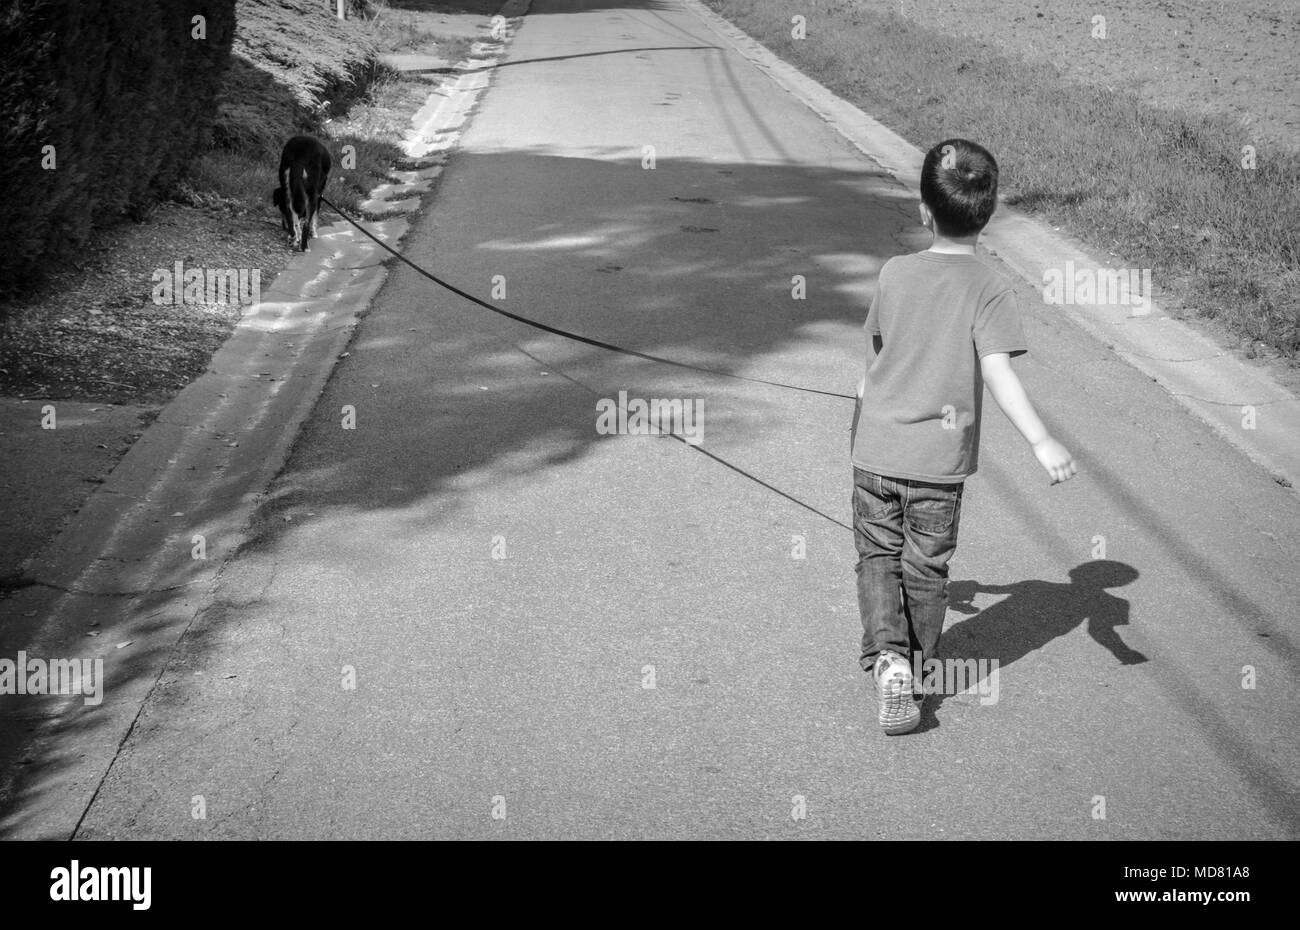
(518, 684)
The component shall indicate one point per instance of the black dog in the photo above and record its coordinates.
(304, 169)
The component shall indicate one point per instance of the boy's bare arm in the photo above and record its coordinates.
(1007, 390)
(862, 386)
(857, 412)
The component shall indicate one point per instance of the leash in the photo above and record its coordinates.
(700, 449)
(759, 481)
(586, 340)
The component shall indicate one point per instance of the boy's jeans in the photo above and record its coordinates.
(905, 531)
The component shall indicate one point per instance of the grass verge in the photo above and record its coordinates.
(1165, 190)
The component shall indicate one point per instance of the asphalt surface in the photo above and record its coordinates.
(507, 696)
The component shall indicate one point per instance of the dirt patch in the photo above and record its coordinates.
(1233, 59)
(95, 331)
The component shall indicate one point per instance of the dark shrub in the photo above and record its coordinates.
(124, 93)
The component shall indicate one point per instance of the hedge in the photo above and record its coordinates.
(124, 92)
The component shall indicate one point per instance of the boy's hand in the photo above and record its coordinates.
(1056, 459)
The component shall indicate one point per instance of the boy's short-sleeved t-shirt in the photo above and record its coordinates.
(937, 314)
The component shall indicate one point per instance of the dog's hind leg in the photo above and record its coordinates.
(322, 176)
(316, 195)
(308, 216)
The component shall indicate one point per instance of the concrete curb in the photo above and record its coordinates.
(1204, 377)
(135, 566)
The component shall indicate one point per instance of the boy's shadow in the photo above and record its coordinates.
(1037, 612)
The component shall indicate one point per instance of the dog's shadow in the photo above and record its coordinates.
(1033, 614)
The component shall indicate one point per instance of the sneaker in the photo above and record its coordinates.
(899, 713)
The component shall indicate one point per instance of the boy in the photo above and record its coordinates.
(942, 326)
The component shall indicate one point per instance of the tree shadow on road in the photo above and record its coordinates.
(692, 260)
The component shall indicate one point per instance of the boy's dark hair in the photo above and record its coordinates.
(959, 183)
